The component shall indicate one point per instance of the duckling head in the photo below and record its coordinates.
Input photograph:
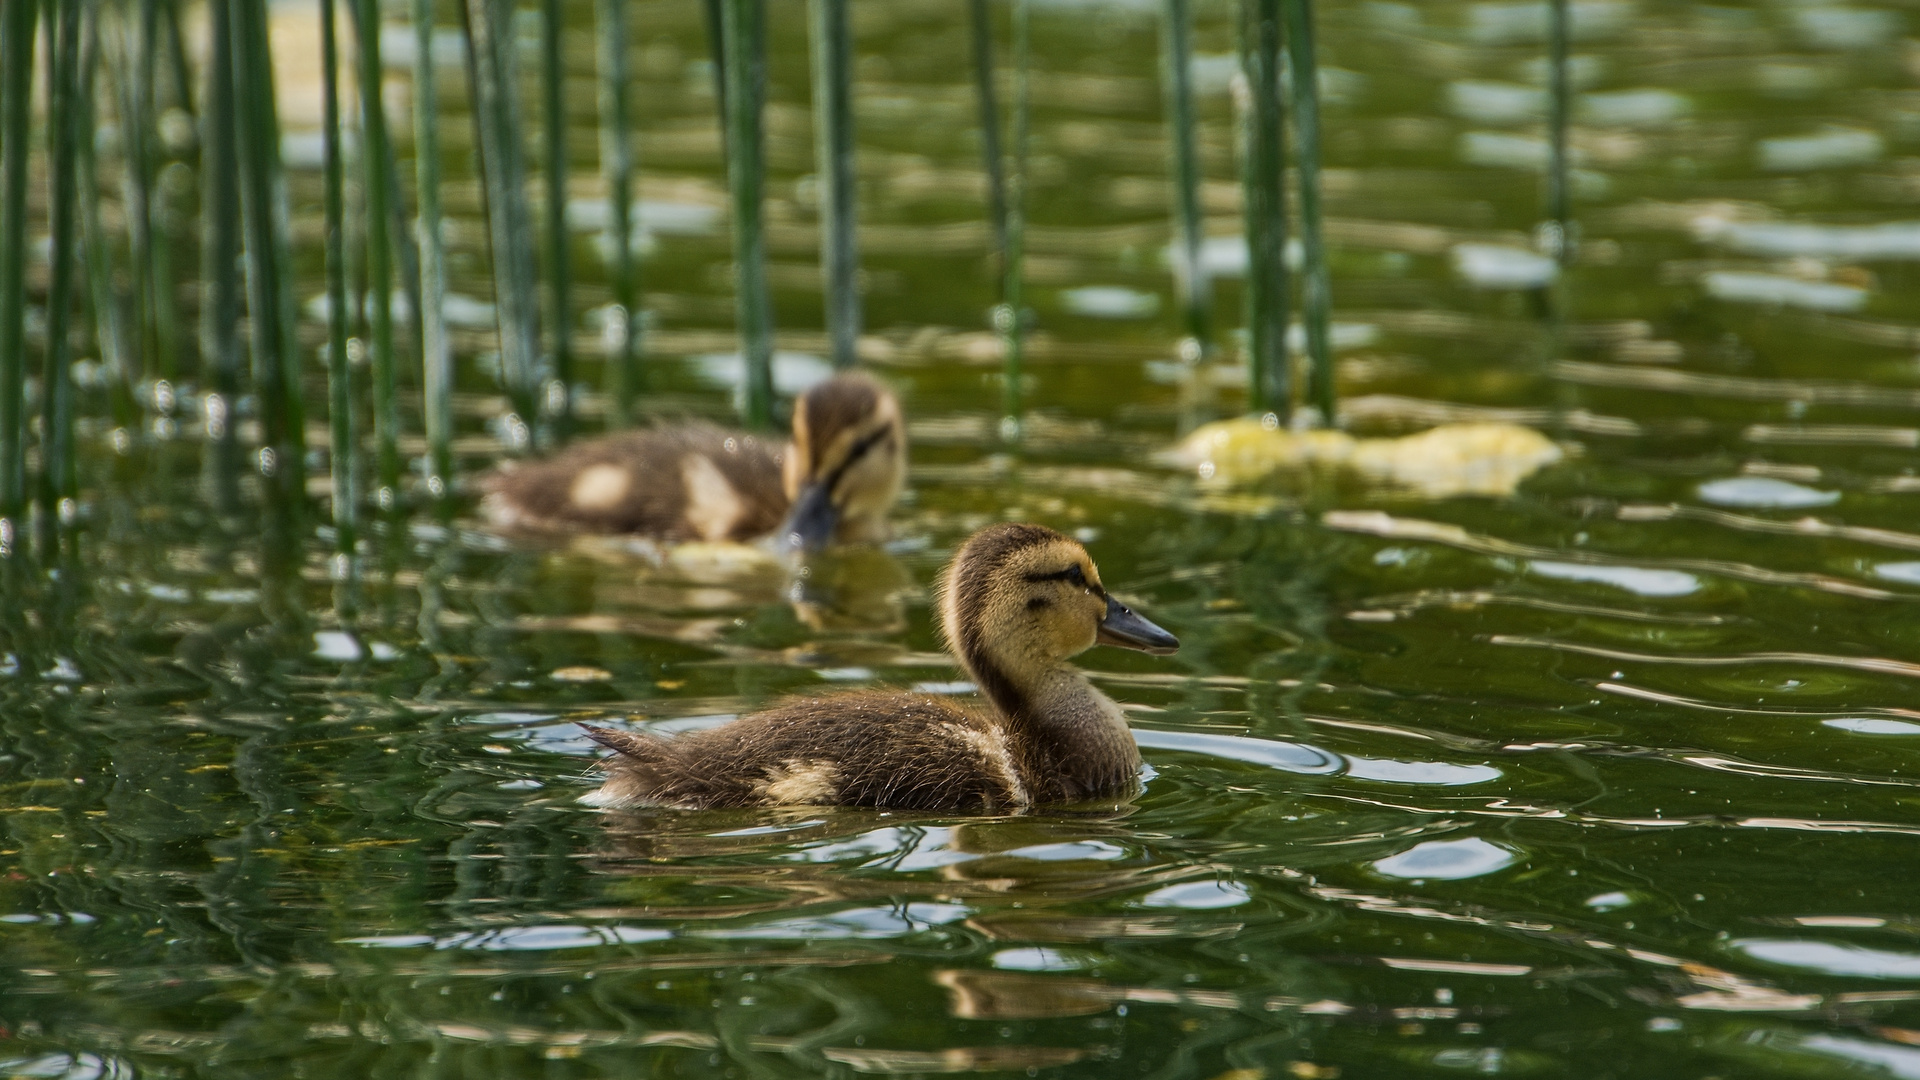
(1019, 600)
(847, 464)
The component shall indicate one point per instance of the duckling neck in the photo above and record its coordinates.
(1077, 737)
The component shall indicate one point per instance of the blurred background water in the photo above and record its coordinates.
(1615, 777)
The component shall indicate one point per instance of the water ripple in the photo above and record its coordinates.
(1873, 664)
(1375, 523)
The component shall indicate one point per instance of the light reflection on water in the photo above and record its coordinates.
(1610, 778)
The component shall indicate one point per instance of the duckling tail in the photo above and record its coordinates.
(635, 771)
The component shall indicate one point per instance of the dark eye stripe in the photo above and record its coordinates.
(1073, 575)
(832, 480)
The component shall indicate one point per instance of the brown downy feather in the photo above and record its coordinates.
(697, 482)
(1016, 602)
(687, 482)
(872, 748)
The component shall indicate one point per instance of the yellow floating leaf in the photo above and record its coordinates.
(581, 674)
(1245, 449)
(1457, 459)
(1488, 458)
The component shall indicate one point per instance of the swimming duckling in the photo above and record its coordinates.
(834, 482)
(1015, 604)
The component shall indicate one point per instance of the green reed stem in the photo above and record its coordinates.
(1317, 286)
(833, 151)
(155, 217)
(220, 290)
(276, 365)
(162, 299)
(374, 156)
(137, 126)
(1261, 154)
(713, 14)
(16, 92)
(103, 298)
(406, 262)
(436, 370)
(163, 304)
(496, 116)
(616, 168)
(177, 63)
(1011, 315)
(346, 504)
(1190, 276)
(405, 255)
(745, 38)
(1559, 97)
(559, 396)
(59, 480)
(992, 155)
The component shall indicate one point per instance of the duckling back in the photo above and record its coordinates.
(679, 483)
(884, 749)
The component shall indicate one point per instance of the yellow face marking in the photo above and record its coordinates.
(600, 487)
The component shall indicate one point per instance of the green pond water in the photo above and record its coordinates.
(1616, 777)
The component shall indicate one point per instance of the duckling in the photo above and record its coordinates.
(836, 480)
(1016, 603)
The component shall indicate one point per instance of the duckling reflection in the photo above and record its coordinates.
(1016, 604)
(852, 588)
(776, 862)
(835, 482)
(1011, 851)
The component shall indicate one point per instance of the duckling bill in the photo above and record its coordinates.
(835, 482)
(1016, 604)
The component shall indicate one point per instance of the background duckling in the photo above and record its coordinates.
(1015, 604)
(835, 481)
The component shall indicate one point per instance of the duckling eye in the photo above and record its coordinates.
(1076, 576)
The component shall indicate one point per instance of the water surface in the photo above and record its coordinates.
(1616, 777)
